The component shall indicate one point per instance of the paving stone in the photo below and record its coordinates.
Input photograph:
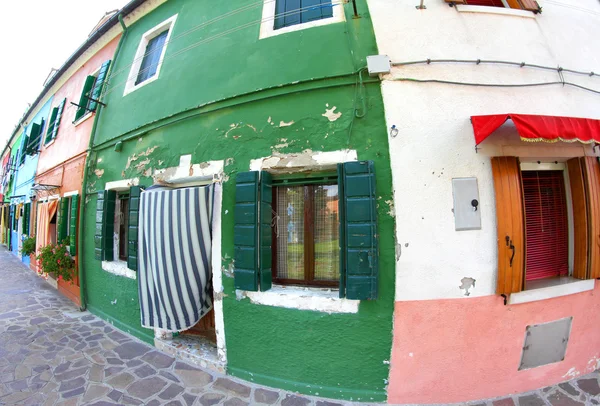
(128, 400)
(16, 397)
(174, 403)
(293, 400)
(94, 392)
(235, 402)
(38, 320)
(169, 376)
(18, 385)
(96, 373)
(35, 400)
(144, 371)
(112, 371)
(146, 388)
(193, 377)
(131, 350)
(71, 374)
(210, 399)
(158, 359)
(570, 389)
(189, 399)
(72, 384)
(115, 395)
(265, 396)
(171, 392)
(558, 398)
(94, 337)
(229, 386)
(134, 363)
(73, 393)
(328, 403)
(22, 371)
(153, 402)
(504, 402)
(589, 386)
(531, 400)
(114, 361)
(121, 381)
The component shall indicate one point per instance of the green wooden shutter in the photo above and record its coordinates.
(61, 219)
(105, 225)
(12, 217)
(35, 136)
(245, 231)
(83, 99)
(97, 90)
(266, 231)
(73, 225)
(132, 228)
(358, 233)
(51, 125)
(26, 211)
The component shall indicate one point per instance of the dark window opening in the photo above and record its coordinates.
(151, 57)
(292, 12)
(306, 235)
(123, 219)
(546, 225)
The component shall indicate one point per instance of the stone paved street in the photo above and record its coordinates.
(52, 354)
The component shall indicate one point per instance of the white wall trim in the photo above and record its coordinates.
(119, 268)
(463, 8)
(561, 287)
(292, 297)
(168, 24)
(82, 119)
(268, 20)
(71, 193)
(122, 185)
(188, 174)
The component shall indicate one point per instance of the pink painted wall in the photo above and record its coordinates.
(456, 350)
(72, 140)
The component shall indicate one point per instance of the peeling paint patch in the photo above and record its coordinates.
(320, 300)
(135, 157)
(330, 113)
(467, 283)
(285, 124)
(392, 211)
(99, 172)
(229, 161)
(593, 364)
(571, 373)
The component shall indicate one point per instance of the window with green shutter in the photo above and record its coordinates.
(84, 99)
(316, 231)
(96, 91)
(105, 214)
(74, 206)
(35, 138)
(132, 227)
(62, 219)
(54, 123)
(26, 214)
(92, 91)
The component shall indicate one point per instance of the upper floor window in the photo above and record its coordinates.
(54, 123)
(149, 56)
(530, 5)
(282, 16)
(91, 92)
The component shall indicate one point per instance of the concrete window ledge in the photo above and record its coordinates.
(315, 299)
(119, 268)
(463, 8)
(550, 288)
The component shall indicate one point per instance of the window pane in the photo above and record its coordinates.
(289, 232)
(327, 251)
(151, 57)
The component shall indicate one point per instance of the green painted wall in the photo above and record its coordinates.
(223, 101)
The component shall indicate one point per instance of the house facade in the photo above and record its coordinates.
(496, 272)
(268, 113)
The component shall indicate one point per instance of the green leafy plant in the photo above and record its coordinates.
(28, 246)
(54, 259)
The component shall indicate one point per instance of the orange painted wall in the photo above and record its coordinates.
(457, 350)
(72, 140)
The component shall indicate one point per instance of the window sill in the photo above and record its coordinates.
(118, 268)
(315, 299)
(463, 8)
(550, 288)
(46, 145)
(82, 119)
(131, 87)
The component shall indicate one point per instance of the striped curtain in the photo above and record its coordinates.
(174, 272)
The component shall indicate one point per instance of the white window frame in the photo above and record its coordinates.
(267, 26)
(168, 24)
(506, 11)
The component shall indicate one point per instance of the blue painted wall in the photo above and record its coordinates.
(25, 174)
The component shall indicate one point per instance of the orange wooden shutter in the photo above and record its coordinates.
(580, 218)
(592, 182)
(456, 1)
(509, 215)
(530, 5)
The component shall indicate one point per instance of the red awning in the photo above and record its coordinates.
(540, 128)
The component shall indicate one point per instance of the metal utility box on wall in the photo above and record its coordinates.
(545, 343)
(467, 213)
(378, 64)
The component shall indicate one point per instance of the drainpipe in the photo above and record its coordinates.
(85, 177)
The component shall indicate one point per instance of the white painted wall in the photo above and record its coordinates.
(435, 142)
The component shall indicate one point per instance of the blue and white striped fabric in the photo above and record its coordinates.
(174, 272)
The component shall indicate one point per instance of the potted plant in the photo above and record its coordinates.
(54, 259)
(28, 247)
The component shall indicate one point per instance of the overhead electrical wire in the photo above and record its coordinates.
(585, 10)
(224, 16)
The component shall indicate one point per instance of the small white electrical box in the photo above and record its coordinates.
(378, 64)
(467, 213)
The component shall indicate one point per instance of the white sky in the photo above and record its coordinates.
(39, 35)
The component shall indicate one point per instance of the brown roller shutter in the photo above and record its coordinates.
(510, 224)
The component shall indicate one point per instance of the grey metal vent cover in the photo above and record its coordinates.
(545, 343)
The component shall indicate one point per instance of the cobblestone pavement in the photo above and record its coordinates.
(52, 354)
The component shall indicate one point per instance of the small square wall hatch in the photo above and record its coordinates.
(467, 213)
(545, 343)
(378, 64)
